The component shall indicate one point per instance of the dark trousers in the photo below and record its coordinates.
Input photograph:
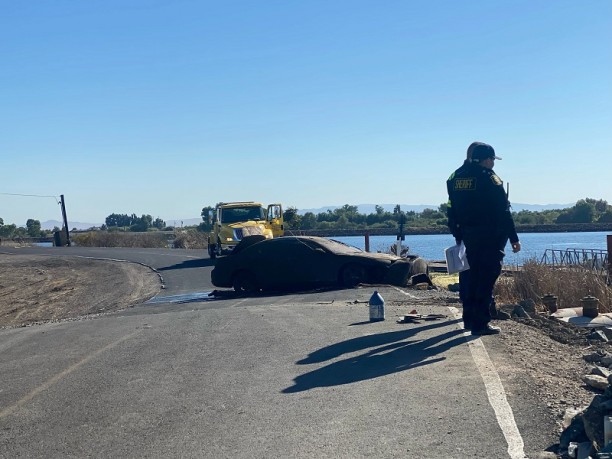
(464, 282)
(485, 267)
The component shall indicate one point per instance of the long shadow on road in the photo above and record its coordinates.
(198, 263)
(386, 353)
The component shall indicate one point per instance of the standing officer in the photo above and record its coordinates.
(453, 225)
(481, 218)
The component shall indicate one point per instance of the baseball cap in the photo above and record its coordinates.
(483, 151)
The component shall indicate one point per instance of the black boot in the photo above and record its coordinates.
(487, 329)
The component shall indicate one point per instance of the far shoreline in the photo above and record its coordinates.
(408, 230)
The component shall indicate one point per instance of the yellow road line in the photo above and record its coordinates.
(55, 379)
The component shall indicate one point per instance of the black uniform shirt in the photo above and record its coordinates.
(453, 225)
(479, 201)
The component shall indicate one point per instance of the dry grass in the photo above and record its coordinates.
(534, 280)
(443, 280)
(14, 244)
(117, 239)
(183, 239)
(190, 239)
(569, 284)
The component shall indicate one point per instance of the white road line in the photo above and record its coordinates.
(495, 393)
(406, 293)
(494, 388)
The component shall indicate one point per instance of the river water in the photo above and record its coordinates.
(431, 247)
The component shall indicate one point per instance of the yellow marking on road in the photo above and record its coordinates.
(55, 379)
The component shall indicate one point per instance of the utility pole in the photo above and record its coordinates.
(63, 204)
(400, 234)
(609, 242)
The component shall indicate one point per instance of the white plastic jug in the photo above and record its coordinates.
(377, 307)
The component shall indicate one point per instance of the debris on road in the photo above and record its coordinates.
(417, 318)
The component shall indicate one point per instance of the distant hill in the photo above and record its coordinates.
(178, 222)
(370, 208)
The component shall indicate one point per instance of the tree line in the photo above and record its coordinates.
(584, 211)
(114, 222)
(346, 217)
(124, 222)
(32, 229)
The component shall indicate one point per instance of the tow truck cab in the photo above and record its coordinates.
(231, 221)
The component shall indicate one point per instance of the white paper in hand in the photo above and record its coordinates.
(456, 259)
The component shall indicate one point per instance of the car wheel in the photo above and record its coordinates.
(352, 274)
(245, 282)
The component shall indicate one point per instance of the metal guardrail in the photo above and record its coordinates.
(591, 259)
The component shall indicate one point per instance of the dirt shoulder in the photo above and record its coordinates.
(36, 288)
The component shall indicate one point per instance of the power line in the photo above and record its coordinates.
(31, 195)
(57, 200)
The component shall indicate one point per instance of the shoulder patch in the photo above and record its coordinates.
(496, 180)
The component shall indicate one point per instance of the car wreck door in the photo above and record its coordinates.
(297, 264)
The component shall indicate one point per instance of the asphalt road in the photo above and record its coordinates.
(299, 375)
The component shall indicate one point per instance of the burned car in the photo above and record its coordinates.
(294, 262)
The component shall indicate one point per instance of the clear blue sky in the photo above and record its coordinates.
(164, 107)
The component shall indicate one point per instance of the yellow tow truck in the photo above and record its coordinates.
(231, 221)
